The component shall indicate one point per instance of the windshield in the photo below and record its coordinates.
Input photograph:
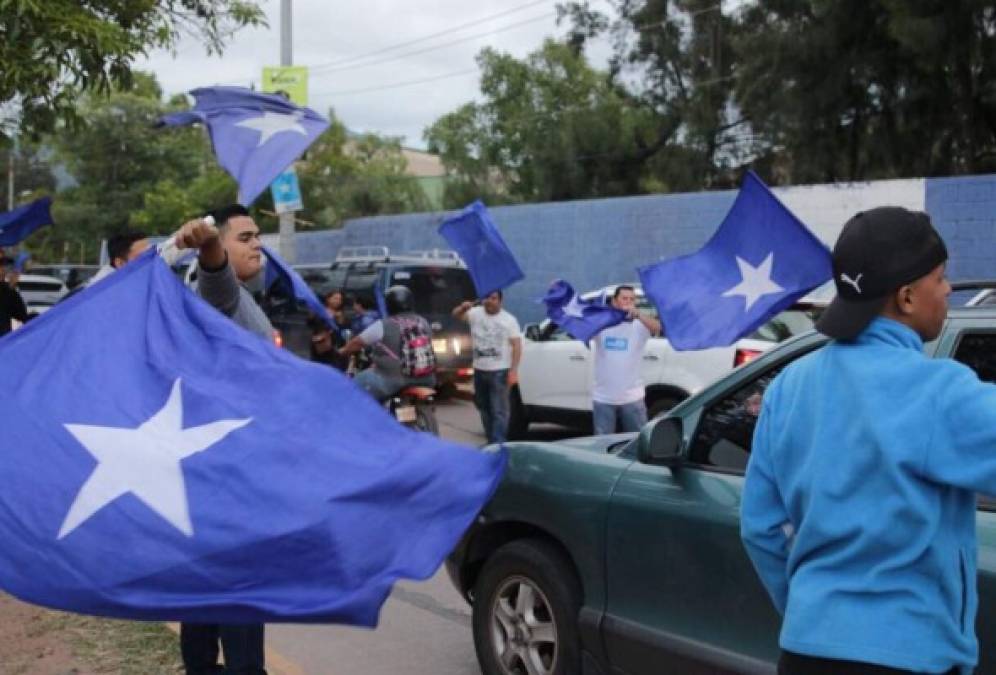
(788, 323)
(437, 290)
(322, 280)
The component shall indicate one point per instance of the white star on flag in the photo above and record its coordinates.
(145, 462)
(271, 124)
(754, 281)
(574, 308)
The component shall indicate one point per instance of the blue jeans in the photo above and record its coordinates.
(631, 416)
(381, 385)
(491, 399)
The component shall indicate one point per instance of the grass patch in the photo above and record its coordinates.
(122, 647)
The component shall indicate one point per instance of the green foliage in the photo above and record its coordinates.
(802, 91)
(53, 50)
(855, 90)
(346, 177)
(550, 128)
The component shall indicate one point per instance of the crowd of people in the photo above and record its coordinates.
(862, 532)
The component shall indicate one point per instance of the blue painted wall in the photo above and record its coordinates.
(592, 243)
(964, 211)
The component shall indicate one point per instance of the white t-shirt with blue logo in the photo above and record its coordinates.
(618, 362)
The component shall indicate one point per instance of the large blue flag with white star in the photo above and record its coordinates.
(165, 464)
(490, 262)
(760, 260)
(255, 136)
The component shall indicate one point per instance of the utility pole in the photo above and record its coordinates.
(286, 237)
(11, 156)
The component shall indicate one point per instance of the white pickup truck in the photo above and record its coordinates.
(556, 372)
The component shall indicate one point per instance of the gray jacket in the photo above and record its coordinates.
(223, 291)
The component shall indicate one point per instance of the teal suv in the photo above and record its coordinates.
(621, 555)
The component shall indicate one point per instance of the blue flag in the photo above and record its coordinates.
(165, 464)
(381, 302)
(474, 236)
(277, 270)
(255, 136)
(21, 260)
(581, 319)
(16, 225)
(760, 260)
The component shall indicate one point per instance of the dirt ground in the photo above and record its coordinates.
(36, 641)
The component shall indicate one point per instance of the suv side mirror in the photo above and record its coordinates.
(533, 332)
(660, 443)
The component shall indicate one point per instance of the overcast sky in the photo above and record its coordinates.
(331, 35)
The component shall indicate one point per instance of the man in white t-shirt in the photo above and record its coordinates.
(618, 396)
(497, 343)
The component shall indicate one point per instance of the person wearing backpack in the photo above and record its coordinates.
(401, 346)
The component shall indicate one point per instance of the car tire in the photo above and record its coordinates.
(661, 405)
(526, 604)
(518, 422)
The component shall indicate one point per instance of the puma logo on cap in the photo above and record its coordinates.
(853, 282)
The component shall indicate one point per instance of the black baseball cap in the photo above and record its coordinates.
(877, 252)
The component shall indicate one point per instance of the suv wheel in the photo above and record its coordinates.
(518, 423)
(526, 604)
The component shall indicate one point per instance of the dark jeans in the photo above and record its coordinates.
(242, 644)
(491, 399)
(797, 664)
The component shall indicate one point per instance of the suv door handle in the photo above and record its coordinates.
(576, 357)
(651, 357)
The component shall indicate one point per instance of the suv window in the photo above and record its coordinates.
(437, 290)
(322, 281)
(786, 324)
(978, 352)
(726, 430)
(361, 283)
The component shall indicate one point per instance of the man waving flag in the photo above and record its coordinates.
(490, 262)
(167, 464)
(760, 260)
(255, 136)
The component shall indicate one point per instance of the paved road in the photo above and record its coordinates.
(424, 626)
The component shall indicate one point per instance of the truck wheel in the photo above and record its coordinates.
(525, 617)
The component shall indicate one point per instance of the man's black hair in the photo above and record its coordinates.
(119, 244)
(620, 289)
(223, 215)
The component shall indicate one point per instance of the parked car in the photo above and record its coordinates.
(621, 554)
(438, 279)
(71, 274)
(556, 374)
(40, 292)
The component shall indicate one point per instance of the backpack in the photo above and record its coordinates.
(417, 357)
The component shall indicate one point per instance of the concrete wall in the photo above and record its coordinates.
(592, 243)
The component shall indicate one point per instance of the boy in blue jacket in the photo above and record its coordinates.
(859, 502)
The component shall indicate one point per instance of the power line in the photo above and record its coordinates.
(452, 29)
(467, 38)
(396, 85)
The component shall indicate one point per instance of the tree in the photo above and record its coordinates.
(346, 176)
(550, 128)
(863, 89)
(53, 51)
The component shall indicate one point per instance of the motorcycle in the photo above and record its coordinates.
(415, 407)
